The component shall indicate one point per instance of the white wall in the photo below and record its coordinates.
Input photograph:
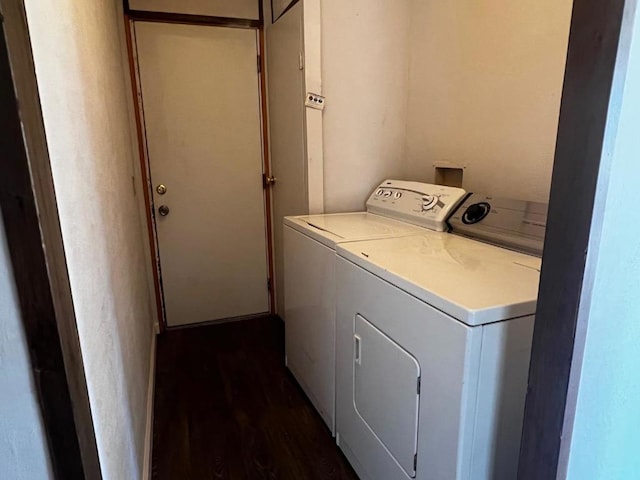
(84, 95)
(605, 393)
(23, 450)
(484, 92)
(365, 45)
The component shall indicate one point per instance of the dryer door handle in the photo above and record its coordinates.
(357, 349)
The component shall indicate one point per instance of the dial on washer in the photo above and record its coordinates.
(428, 202)
(476, 212)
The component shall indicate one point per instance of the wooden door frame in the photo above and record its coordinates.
(191, 19)
(594, 56)
(30, 214)
(131, 16)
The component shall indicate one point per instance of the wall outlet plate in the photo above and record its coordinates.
(314, 100)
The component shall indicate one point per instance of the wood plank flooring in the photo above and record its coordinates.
(226, 407)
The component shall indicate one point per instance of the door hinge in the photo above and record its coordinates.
(269, 284)
(419, 383)
(415, 462)
(301, 60)
(259, 64)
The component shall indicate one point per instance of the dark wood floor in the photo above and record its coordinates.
(226, 407)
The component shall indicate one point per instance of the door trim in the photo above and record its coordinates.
(191, 19)
(36, 249)
(592, 61)
(188, 19)
(266, 168)
(145, 166)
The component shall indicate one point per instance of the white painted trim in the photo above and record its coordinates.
(315, 161)
(312, 31)
(148, 435)
(312, 21)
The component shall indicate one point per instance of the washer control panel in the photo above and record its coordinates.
(515, 224)
(418, 203)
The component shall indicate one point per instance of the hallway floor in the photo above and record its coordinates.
(226, 407)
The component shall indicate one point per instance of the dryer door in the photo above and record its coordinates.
(387, 392)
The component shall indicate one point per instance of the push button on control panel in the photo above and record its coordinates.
(386, 194)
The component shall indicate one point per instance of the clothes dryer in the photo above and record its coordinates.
(433, 344)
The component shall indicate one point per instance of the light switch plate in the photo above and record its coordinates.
(314, 100)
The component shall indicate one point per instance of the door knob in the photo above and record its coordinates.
(163, 210)
(268, 180)
(161, 189)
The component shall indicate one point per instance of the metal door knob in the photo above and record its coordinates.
(163, 210)
(161, 189)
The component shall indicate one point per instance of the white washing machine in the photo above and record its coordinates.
(433, 344)
(394, 209)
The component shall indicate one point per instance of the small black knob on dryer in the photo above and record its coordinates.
(476, 212)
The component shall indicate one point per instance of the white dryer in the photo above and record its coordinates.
(433, 344)
(394, 209)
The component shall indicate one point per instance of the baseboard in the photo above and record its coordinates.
(220, 321)
(148, 436)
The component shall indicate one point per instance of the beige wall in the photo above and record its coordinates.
(23, 448)
(414, 83)
(84, 95)
(484, 91)
(365, 48)
(285, 86)
(216, 8)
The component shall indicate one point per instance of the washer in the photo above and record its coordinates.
(433, 344)
(394, 209)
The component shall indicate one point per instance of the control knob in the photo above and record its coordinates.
(428, 202)
(476, 212)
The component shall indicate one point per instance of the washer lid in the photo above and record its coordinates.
(473, 282)
(346, 227)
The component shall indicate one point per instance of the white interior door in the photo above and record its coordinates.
(201, 104)
(287, 129)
